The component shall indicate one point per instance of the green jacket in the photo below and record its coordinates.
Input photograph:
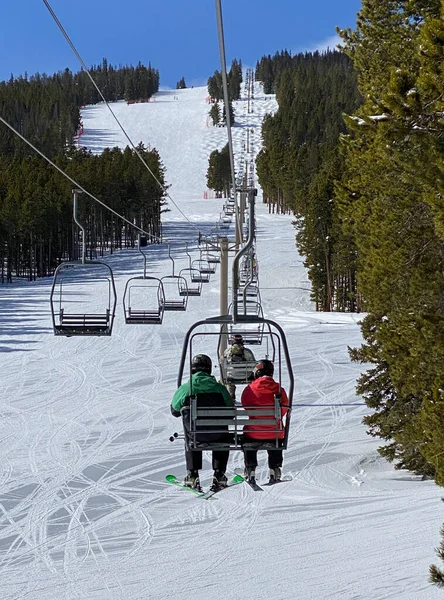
(202, 383)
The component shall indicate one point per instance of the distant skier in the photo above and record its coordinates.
(202, 382)
(261, 392)
(235, 354)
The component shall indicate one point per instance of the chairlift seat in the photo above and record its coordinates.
(238, 372)
(190, 291)
(206, 426)
(251, 290)
(252, 337)
(171, 305)
(180, 300)
(83, 324)
(197, 276)
(208, 269)
(144, 317)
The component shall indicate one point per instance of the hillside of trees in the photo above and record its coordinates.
(36, 215)
(362, 169)
(366, 190)
(46, 109)
(35, 200)
(390, 198)
(299, 163)
(216, 94)
(390, 201)
(234, 81)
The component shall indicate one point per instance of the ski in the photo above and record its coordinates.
(173, 479)
(282, 480)
(234, 481)
(254, 485)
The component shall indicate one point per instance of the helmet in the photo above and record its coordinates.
(263, 367)
(201, 362)
(237, 339)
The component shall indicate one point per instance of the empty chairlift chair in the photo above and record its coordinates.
(205, 266)
(83, 299)
(213, 259)
(144, 297)
(211, 251)
(190, 288)
(83, 295)
(196, 275)
(175, 290)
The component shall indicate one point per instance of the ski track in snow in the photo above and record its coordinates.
(84, 508)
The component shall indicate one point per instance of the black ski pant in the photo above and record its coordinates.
(219, 460)
(275, 458)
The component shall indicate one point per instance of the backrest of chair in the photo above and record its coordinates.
(210, 399)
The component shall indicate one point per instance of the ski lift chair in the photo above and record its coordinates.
(198, 276)
(209, 427)
(94, 317)
(176, 292)
(191, 288)
(144, 296)
(145, 311)
(251, 326)
(213, 259)
(205, 266)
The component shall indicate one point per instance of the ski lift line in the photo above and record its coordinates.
(243, 251)
(85, 68)
(227, 113)
(330, 405)
(73, 181)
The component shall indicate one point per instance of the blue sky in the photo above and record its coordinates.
(179, 38)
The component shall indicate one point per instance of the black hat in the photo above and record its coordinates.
(263, 367)
(201, 362)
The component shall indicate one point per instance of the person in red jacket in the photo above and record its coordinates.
(261, 392)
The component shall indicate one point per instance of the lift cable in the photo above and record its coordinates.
(227, 113)
(85, 68)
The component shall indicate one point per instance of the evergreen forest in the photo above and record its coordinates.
(299, 163)
(36, 221)
(356, 150)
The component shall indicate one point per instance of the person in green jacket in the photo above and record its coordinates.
(202, 382)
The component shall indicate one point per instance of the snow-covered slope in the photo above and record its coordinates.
(85, 422)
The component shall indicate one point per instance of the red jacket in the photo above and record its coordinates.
(261, 393)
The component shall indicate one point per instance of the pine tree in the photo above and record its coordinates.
(215, 113)
(231, 111)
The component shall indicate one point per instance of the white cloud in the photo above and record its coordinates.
(331, 42)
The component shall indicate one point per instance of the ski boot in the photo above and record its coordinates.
(219, 481)
(250, 475)
(192, 480)
(274, 475)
